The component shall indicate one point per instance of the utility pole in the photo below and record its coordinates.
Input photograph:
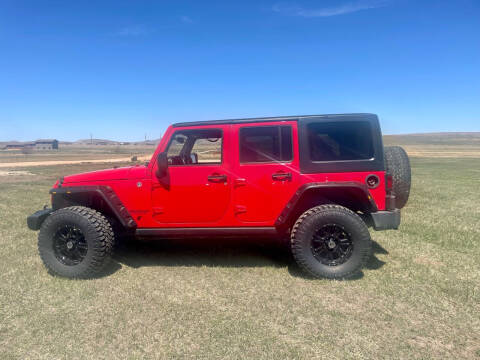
(91, 139)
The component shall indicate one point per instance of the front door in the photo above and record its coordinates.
(196, 190)
(265, 171)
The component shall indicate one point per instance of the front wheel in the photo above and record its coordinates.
(330, 241)
(75, 242)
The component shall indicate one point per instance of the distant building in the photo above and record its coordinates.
(42, 144)
(18, 145)
(46, 144)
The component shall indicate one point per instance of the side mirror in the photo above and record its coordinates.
(162, 165)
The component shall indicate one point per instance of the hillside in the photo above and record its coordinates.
(441, 138)
(96, 142)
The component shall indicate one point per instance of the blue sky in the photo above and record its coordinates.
(123, 69)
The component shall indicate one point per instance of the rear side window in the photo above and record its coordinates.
(265, 144)
(339, 141)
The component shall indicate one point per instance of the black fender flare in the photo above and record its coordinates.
(289, 210)
(68, 194)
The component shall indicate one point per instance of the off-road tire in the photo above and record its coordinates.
(98, 235)
(312, 220)
(398, 166)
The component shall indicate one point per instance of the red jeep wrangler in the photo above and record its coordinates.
(319, 181)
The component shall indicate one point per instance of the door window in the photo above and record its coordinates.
(265, 144)
(191, 147)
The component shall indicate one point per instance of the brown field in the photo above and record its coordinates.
(77, 153)
(438, 145)
(22, 164)
(438, 151)
(464, 145)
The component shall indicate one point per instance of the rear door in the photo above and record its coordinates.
(265, 168)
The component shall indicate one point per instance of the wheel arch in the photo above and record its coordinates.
(351, 195)
(101, 198)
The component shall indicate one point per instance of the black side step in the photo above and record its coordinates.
(207, 232)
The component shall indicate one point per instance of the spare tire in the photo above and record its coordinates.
(398, 167)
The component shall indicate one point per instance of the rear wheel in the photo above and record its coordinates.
(398, 166)
(330, 241)
(75, 242)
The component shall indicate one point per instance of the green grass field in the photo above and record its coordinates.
(419, 297)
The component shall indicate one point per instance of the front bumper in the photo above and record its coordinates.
(35, 220)
(385, 220)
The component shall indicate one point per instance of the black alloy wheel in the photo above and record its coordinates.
(69, 245)
(331, 245)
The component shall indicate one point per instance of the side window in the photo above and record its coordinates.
(265, 144)
(208, 150)
(340, 141)
(176, 144)
(190, 147)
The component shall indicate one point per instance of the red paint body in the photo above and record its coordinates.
(249, 197)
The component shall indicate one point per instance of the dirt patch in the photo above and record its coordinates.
(435, 151)
(15, 173)
(16, 176)
(446, 154)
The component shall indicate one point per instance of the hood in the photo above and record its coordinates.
(123, 173)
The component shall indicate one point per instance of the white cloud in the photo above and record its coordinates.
(295, 10)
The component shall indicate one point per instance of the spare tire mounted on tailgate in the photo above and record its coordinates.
(398, 167)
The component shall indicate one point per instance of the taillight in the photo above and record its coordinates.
(389, 182)
(372, 181)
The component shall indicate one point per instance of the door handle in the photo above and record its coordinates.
(217, 178)
(281, 176)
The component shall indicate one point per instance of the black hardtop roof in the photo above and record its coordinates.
(352, 116)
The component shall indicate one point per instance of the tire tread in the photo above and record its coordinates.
(296, 246)
(398, 166)
(103, 244)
